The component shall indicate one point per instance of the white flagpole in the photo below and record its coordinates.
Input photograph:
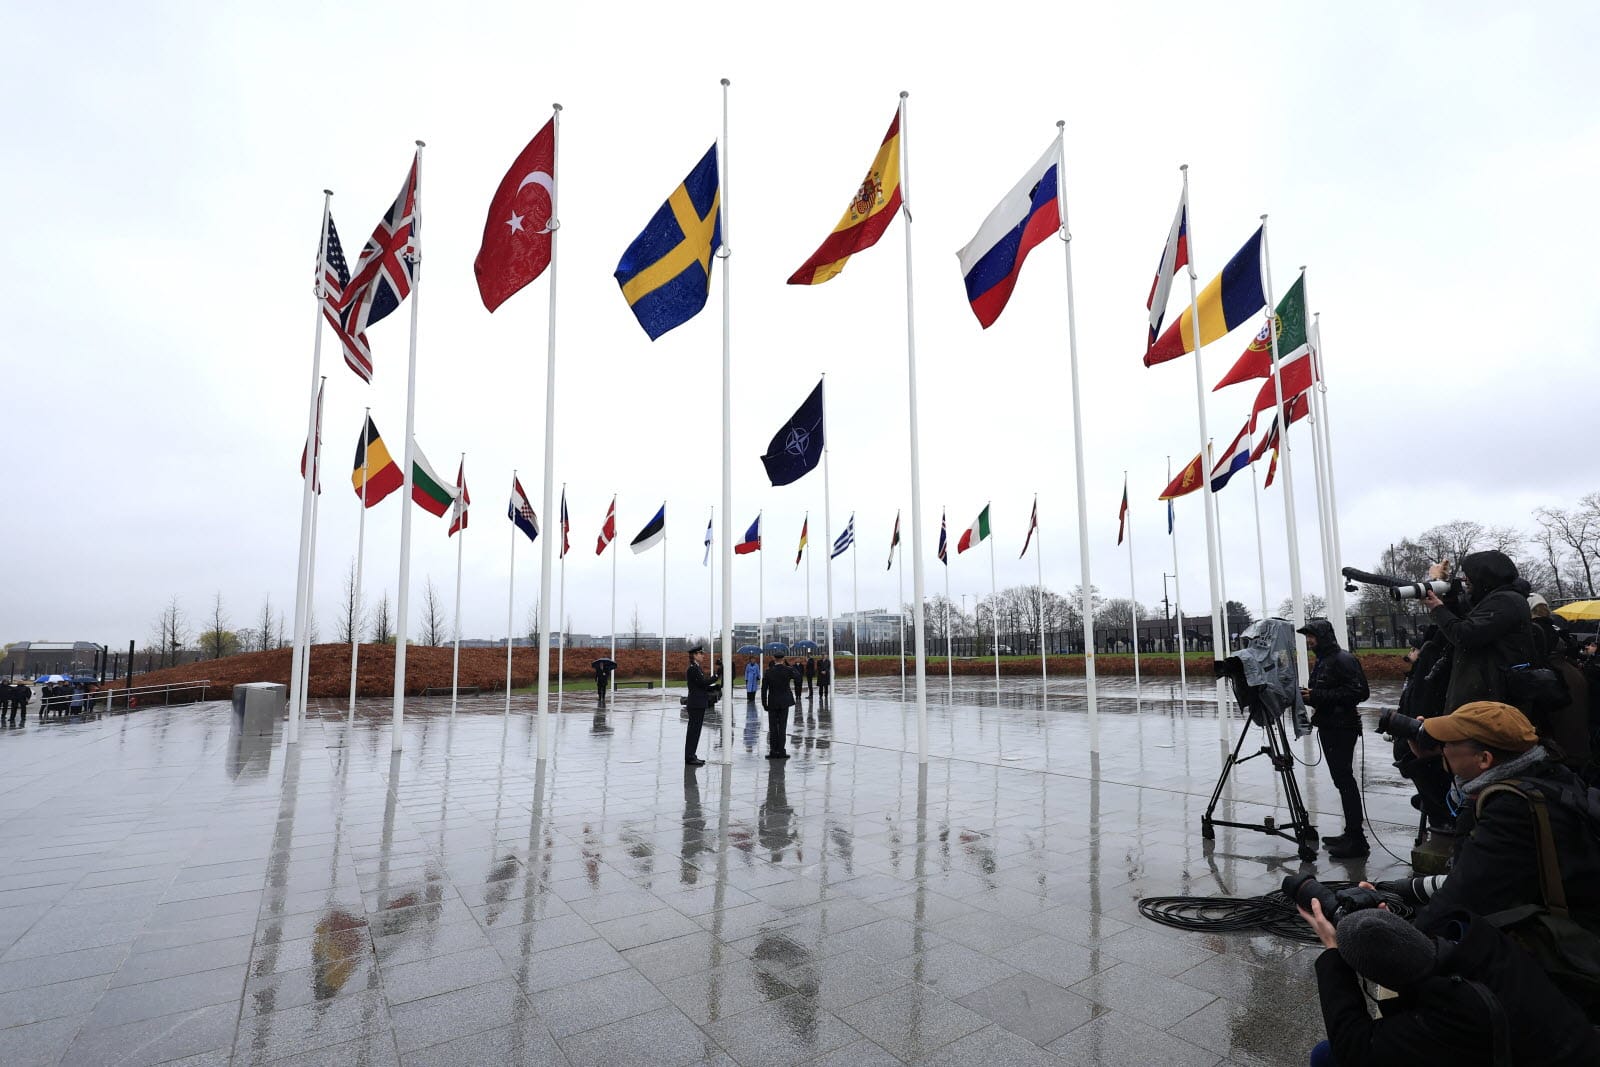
(455, 656)
(1217, 639)
(311, 592)
(549, 442)
(1133, 593)
(1222, 570)
(611, 679)
(761, 606)
(855, 605)
(811, 629)
(1261, 559)
(949, 645)
(1177, 597)
(1320, 389)
(561, 656)
(727, 450)
(361, 556)
(1330, 568)
(711, 601)
(918, 585)
(402, 612)
(994, 606)
(900, 613)
(291, 733)
(1085, 578)
(663, 606)
(1296, 594)
(511, 601)
(1038, 560)
(827, 528)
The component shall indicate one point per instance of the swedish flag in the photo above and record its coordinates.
(666, 272)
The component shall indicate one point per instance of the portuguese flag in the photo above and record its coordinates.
(428, 489)
(871, 210)
(978, 531)
(383, 474)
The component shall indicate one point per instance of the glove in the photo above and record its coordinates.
(1407, 889)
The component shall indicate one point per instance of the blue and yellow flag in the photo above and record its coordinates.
(666, 272)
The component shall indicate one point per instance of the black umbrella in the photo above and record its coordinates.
(608, 664)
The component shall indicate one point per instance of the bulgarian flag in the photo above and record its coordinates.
(428, 489)
(978, 531)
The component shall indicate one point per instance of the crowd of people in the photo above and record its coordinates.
(56, 700)
(1500, 963)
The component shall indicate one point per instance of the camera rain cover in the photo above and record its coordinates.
(1268, 659)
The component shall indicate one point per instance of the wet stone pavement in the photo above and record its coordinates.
(173, 892)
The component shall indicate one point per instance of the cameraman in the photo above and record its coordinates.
(1337, 684)
(1496, 862)
(1490, 637)
(1470, 996)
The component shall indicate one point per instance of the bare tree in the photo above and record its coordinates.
(1578, 530)
(433, 618)
(218, 640)
(633, 621)
(1316, 607)
(280, 634)
(263, 628)
(171, 632)
(382, 621)
(350, 614)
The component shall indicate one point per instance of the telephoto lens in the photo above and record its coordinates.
(1336, 904)
(1394, 724)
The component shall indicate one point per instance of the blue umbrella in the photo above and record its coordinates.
(806, 646)
(777, 648)
(748, 650)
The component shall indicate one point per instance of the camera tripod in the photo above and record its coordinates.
(1299, 828)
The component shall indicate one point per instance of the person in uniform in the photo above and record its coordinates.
(811, 676)
(700, 697)
(778, 689)
(825, 678)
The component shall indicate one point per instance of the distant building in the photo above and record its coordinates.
(33, 658)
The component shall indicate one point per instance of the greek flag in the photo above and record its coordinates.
(846, 540)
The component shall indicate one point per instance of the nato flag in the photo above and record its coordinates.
(796, 449)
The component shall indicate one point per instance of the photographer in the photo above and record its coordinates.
(1422, 696)
(1489, 638)
(1496, 865)
(1336, 686)
(703, 692)
(1565, 718)
(1470, 996)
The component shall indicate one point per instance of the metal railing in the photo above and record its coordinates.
(105, 701)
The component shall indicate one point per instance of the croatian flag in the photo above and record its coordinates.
(1236, 459)
(1030, 212)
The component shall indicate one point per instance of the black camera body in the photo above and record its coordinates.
(1302, 889)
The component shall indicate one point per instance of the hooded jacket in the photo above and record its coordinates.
(1337, 681)
(1493, 635)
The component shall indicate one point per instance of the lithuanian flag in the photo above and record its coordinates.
(869, 214)
(1226, 304)
(383, 475)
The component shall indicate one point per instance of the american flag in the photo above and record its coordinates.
(334, 274)
(383, 277)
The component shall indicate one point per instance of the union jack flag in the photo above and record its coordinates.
(383, 276)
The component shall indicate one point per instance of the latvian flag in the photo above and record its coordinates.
(978, 531)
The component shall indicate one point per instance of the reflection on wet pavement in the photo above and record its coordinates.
(170, 889)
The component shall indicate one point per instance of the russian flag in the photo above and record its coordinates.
(1028, 214)
(1236, 459)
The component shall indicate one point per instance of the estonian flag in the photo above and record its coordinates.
(654, 532)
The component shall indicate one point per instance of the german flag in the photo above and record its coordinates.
(869, 214)
(383, 475)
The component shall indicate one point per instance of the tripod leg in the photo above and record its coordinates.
(1299, 818)
(1206, 830)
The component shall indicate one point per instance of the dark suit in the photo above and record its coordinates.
(825, 677)
(811, 675)
(777, 696)
(699, 701)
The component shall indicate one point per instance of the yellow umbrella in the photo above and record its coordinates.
(1580, 609)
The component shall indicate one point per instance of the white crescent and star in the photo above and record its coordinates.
(539, 178)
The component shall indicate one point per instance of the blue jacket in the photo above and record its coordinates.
(752, 676)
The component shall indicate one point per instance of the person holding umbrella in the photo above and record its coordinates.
(602, 678)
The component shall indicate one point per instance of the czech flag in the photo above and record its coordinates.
(1028, 214)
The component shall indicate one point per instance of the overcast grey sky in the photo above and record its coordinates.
(1433, 165)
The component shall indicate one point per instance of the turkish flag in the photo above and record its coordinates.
(516, 235)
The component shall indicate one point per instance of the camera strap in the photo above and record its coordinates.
(1551, 887)
(1499, 1026)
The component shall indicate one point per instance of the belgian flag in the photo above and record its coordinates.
(373, 463)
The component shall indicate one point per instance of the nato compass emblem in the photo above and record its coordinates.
(798, 442)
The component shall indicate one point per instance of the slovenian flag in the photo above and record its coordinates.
(978, 531)
(1028, 214)
(1236, 459)
(752, 539)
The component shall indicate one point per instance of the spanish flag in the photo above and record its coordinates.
(1189, 479)
(1232, 298)
(383, 475)
(869, 214)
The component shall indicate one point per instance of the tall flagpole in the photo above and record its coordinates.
(1085, 579)
(361, 556)
(549, 441)
(727, 447)
(611, 679)
(663, 605)
(949, 645)
(711, 599)
(1330, 569)
(900, 612)
(761, 608)
(1133, 592)
(402, 612)
(455, 657)
(855, 605)
(291, 733)
(1296, 594)
(1177, 593)
(827, 527)
(511, 601)
(994, 608)
(1222, 569)
(1217, 639)
(810, 630)
(1038, 560)
(918, 586)
(1261, 559)
(311, 587)
(561, 656)
(1320, 389)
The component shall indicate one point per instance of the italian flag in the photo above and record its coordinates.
(978, 531)
(427, 488)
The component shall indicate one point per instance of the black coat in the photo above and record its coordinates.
(824, 672)
(1337, 681)
(1443, 1020)
(1496, 863)
(777, 693)
(700, 696)
(1494, 634)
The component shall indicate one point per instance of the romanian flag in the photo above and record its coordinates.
(666, 272)
(1224, 305)
(804, 528)
(1189, 479)
(869, 214)
(382, 474)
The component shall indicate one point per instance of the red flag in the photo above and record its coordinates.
(1296, 375)
(316, 476)
(608, 532)
(1298, 408)
(1189, 479)
(458, 518)
(1256, 362)
(1122, 512)
(516, 233)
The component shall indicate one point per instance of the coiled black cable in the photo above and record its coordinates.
(1271, 913)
